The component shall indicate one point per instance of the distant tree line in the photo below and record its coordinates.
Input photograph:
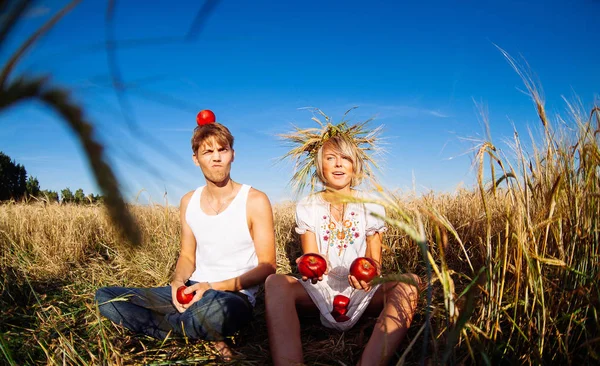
(14, 185)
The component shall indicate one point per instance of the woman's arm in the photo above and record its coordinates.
(374, 247)
(373, 251)
(309, 242)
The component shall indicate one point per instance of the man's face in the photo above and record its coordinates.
(214, 160)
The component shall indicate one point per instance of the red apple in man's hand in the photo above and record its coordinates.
(312, 265)
(182, 297)
(205, 117)
(364, 269)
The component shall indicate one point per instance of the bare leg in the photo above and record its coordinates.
(283, 295)
(399, 301)
(223, 350)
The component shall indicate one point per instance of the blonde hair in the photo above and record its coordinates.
(220, 133)
(346, 148)
(356, 141)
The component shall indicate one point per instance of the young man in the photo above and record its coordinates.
(227, 250)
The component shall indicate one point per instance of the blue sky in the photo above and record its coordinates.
(418, 69)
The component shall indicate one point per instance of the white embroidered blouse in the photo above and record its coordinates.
(340, 243)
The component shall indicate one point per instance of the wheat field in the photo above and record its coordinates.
(512, 268)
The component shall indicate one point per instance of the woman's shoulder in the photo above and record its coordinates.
(313, 203)
(365, 195)
(369, 200)
(311, 199)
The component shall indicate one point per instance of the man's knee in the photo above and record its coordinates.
(103, 299)
(218, 315)
(102, 295)
(106, 306)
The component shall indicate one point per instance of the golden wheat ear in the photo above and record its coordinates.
(305, 143)
(58, 99)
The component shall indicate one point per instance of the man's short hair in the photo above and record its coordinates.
(215, 130)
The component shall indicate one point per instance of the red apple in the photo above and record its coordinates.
(364, 269)
(340, 308)
(340, 302)
(182, 297)
(312, 265)
(205, 117)
(339, 311)
(340, 316)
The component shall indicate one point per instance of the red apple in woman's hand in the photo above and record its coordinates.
(205, 117)
(364, 269)
(182, 297)
(312, 265)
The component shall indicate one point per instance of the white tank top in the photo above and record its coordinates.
(224, 247)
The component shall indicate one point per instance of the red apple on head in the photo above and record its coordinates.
(205, 116)
(364, 269)
(182, 297)
(312, 265)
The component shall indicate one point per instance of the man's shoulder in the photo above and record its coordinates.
(186, 198)
(254, 195)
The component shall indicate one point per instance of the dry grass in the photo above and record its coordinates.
(513, 267)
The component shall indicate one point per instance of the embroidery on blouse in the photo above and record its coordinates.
(340, 235)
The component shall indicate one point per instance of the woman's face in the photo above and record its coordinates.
(337, 169)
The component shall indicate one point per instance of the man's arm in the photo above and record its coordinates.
(186, 263)
(262, 230)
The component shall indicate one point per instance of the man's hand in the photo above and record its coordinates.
(174, 286)
(200, 288)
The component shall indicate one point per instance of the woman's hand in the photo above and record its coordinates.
(362, 285)
(312, 280)
(359, 285)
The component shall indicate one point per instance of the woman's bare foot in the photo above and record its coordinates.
(224, 350)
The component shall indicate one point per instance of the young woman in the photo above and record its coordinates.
(334, 223)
